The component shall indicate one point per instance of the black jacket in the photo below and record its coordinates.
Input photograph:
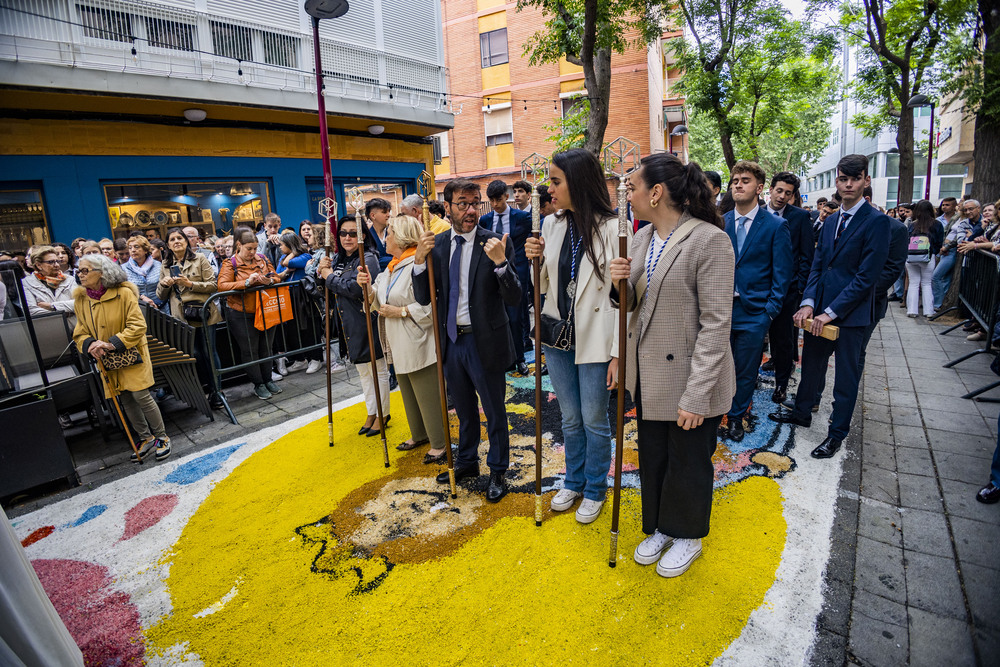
(488, 294)
(803, 246)
(343, 285)
(899, 241)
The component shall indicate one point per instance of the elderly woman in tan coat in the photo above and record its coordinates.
(679, 367)
(405, 328)
(108, 319)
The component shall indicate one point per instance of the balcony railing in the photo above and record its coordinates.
(158, 40)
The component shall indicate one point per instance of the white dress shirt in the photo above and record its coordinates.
(750, 218)
(778, 212)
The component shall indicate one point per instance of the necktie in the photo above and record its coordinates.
(841, 226)
(454, 278)
(499, 227)
(741, 234)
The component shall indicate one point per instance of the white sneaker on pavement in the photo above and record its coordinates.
(589, 510)
(651, 548)
(563, 500)
(678, 558)
(338, 365)
(297, 366)
(276, 377)
(314, 366)
(282, 366)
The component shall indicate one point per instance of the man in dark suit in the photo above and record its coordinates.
(783, 335)
(474, 282)
(517, 224)
(764, 269)
(850, 258)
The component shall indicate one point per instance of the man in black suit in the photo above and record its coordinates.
(848, 265)
(474, 282)
(783, 335)
(517, 224)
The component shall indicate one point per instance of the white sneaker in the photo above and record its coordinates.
(314, 366)
(563, 500)
(338, 365)
(297, 366)
(589, 510)
(678, 558)
(282, 366)
(651, 548)
(276, 377)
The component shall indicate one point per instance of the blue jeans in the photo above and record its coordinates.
(995, 467)
(942, 277)
(897, 287)
(583, 399)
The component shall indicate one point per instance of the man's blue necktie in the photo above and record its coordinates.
(841, 226)
(499, 226)
(741, 234)
(454, 277)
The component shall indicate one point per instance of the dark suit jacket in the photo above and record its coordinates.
(488, 294)
(803, 245)
(520, 230)
(845, 273)
(899, 240)
(763, 270)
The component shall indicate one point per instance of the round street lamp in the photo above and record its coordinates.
(678, 131)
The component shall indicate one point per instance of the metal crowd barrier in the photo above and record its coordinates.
(302, 333)
(979, 292)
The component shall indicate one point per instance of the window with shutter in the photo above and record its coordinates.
(499, 127)
(493, 47)
(232, 41)
(170, 34)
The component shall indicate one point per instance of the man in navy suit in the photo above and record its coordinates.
(517, 224)
(474, 281)
(764, 270)
(851, 255)
(783, 335)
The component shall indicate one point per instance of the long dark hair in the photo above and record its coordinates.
(922, 216)
(588, 190)
(368, 236)
(168, 256)
(686, 184)
(69, 253)
(294, 243)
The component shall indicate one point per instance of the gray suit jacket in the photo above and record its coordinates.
(678, 339)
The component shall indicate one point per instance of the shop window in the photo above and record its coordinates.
(232, 41)
(493, 47)
(391, 192)
(952, 170)
(23, 222)
(280, 50)
(950, 186)
(101, 23)
(170, 34)
(212, 207)
(499, 126)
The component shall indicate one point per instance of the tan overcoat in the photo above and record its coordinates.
(678, 336)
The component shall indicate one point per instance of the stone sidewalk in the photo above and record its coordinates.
(914, 576)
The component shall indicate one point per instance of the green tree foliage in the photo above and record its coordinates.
(898, 44)
(586, 33)
(571, 131)
(766, 83)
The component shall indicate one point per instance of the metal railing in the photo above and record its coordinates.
(303, 332)
(979, 292)
(160, 40)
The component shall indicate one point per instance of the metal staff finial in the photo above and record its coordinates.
(425, 182)
(535, 169)
(621, 157)
(328, 210)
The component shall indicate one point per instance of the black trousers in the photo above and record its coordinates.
(253, 344)
(677, 475)
(784, 337)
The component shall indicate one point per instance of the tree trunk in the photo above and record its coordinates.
(986, 152)
(726, 139)
(597, 79)
(904, 141)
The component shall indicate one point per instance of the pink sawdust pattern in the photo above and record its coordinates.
(146, 513)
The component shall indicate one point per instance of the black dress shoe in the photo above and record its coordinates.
(826, 449)
(545, 369)
(372, 432)
(767, 366)
(364, 430)
(497, 488)
(783, 417)
(460, 474)
(779, 394)
(215, 401)
(736, 431)
(521, 368)
(790, 403)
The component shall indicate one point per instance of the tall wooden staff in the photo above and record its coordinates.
(426, 187)
(535, 168)
(358, 201)
(328, 209)
(621, 157)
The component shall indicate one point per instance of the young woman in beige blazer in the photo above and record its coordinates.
(679, 367)
(576, 248)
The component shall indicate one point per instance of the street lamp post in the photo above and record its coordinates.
(923, 101)
(678, 131)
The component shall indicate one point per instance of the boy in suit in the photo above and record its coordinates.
(474, 281)
(851, 254)
(517, 224)
(783, 334)
(764, 271)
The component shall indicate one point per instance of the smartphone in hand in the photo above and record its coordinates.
(175, 271)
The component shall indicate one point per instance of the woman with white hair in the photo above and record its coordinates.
(108, 319)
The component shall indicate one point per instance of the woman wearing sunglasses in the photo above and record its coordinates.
(47, 289)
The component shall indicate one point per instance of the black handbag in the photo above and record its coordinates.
(192, 313)
(556, 333)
